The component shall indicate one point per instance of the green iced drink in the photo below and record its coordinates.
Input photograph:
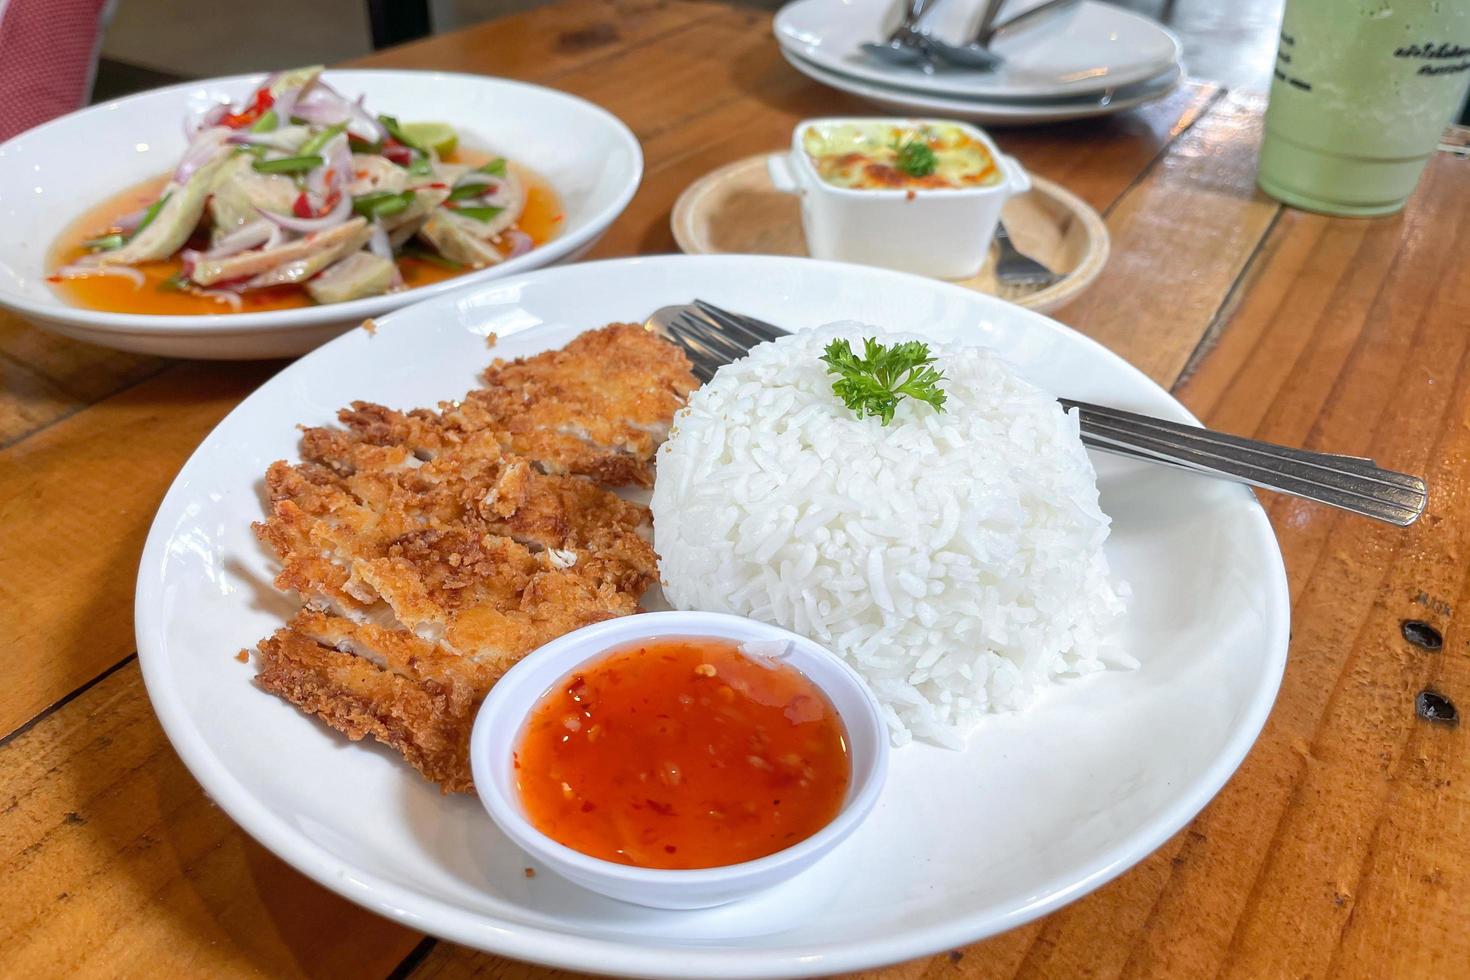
(1362, 91)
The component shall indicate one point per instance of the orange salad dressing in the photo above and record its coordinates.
(682, 752)
(541, 219)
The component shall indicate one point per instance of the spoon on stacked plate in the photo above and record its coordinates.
(911, 46)
(906, 45)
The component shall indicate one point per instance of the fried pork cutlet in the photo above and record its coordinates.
(598, 407)
(431, 554)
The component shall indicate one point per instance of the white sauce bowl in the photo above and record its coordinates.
(498, 729)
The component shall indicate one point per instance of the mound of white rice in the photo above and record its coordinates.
(955, 559)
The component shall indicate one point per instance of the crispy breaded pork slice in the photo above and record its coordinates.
(355, 524)
(598, 407)
(428, 722)
(432, 556)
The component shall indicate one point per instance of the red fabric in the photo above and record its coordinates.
(46, 52)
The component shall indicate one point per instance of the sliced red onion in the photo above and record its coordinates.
(210, 117)
(201, 151)
(274, 140)
(83, 271)
(285, 104)
(306, 226)
(520, 243)
(278, 237)
(339, 158)
(355, 110)
(226, 296)
(379, 245)
(338, 165)
(322, 113)
(130, 221)
(380, 132)
(242, 238)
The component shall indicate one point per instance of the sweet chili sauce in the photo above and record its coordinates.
(541, 220)
(682, 752)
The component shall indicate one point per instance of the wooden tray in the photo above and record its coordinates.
(735, 209)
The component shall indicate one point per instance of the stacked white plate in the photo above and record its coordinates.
(1092, 59)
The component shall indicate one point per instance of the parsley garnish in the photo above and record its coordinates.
(916, 158)
(874, 383)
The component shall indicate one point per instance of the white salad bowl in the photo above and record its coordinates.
(503, 715)
(939, 232)
(51, 175)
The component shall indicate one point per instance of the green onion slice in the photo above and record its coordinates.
(396, 131)
(105, 243)
(412, 251)
(382, 204)
(150, 214)
(467, 191)
(479, 214)
(320, 140)
(289, 165)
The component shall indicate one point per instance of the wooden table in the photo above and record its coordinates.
(1342, 846)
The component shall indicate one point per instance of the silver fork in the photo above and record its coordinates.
(713, 337)
(1017, 269)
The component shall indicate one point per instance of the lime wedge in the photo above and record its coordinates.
(437, 136)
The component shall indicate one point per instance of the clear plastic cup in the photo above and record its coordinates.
(1360, 97)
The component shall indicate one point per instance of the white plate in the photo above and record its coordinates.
(51, 174)
(992, 113)
(1040, 809)
(1092, 47)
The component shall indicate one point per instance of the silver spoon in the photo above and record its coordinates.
(977, 53)
(974, 54)
(906, 45)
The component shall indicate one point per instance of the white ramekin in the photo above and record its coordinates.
(940, 232)
(501, 719)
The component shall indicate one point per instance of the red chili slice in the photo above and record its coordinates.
(261, 105)
(397, 152)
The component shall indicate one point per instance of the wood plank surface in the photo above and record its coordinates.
(116, 864)
(106, 471)
(29, 401)
(1351, 808)
(1180, 240)
(1338, 850)
(44, 377)
(85, 373)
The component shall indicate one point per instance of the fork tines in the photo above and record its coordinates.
(713, 337)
